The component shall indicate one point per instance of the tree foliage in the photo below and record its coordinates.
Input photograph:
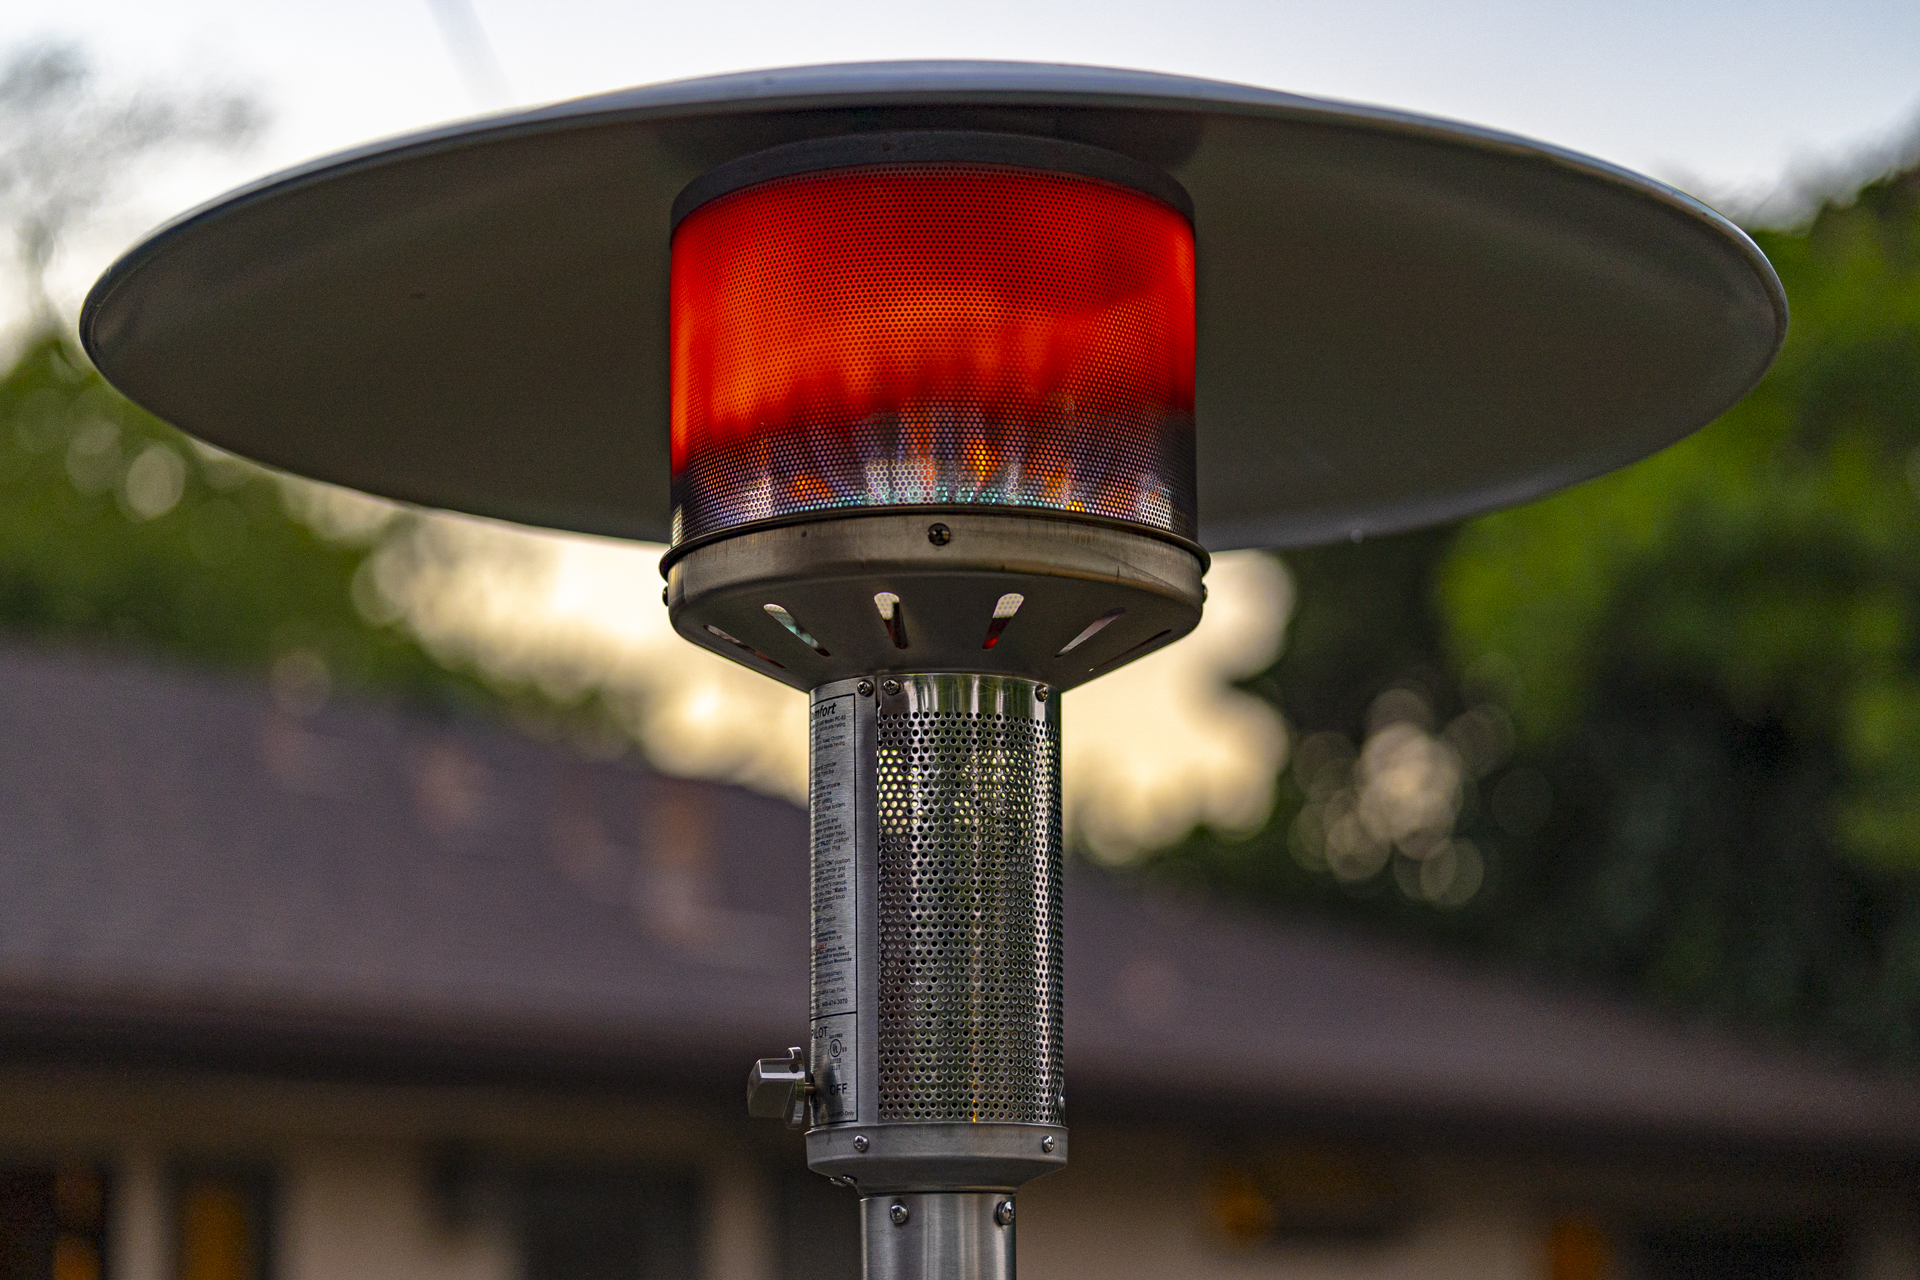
(1677, 708)
(115, 530)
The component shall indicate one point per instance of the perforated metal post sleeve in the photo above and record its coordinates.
(969, 909)
(937, 932)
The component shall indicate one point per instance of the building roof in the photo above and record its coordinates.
(189, 872)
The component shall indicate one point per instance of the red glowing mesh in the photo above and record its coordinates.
(932, 334)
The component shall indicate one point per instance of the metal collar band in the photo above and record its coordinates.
(1032, 595)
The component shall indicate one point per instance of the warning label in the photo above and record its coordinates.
(831, 803)
(834, 1065)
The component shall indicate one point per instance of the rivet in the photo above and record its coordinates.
(663, 595)
(866, 688)
(891, 688)
(1046, 1144)
(860, 1142)
(1003, 1213)
(1042, 693)
(939, 535)
(898, 1213)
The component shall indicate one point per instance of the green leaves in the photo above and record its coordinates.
(115, 529)
(1774, 557)
(1710, 663)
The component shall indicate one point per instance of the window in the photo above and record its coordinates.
(52, 1222)
(1262, 1193)
(222, 1222)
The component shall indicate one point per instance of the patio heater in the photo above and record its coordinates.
(941, 380)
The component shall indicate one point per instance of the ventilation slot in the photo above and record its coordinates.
(786, 620)
(738, 643)
(1094, 628)
(1003, 611)
(893, 615)
(1125, 654)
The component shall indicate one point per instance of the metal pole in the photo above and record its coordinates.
(932, 1082)
(935, 1058)
(944, 1234)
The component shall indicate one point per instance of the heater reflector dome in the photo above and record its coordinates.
(932, 335)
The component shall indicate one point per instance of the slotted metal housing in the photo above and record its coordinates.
(801, 602)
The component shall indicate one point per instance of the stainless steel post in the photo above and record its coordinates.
(945, 1234)
(936, 1054)
(934, 651)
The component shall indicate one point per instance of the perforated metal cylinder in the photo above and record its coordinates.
(969, 904)
(937, 1048)
(950, 335)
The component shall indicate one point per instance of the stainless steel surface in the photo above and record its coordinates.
(937, 1236)
(954, 1155)
(1402, 319)
(840, 797)
(825, 576)
(968, 829)
(937, 997)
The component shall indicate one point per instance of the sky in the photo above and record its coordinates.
(1727, 95)
(1736, 103)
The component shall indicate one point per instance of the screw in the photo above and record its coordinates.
(1046, 1144)
(891, 687)
(860, 1142)
(1043, 693)
(939, 535)
(898, 1213)
(866, 688)
(1003, 1213)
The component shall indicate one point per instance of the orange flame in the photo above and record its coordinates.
(1024, 306)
